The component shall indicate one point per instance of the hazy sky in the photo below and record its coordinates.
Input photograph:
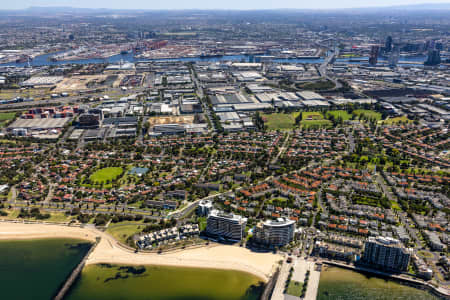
(210, 4)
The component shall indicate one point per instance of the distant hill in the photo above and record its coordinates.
(445, 6)
(37, 10)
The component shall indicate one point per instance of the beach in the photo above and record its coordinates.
(215, 256)
(22, 231)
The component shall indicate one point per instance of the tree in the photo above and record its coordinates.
(298, 119)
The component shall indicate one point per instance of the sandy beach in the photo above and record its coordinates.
(21, 231)
(109, 251)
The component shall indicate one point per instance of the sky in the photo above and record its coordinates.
(212, 4)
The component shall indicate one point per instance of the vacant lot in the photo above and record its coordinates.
(280, 121)
(171, 120)
(106, 174)
(84, 82)
(36, 93)
(317, 86)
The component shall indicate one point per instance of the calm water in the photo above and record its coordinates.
(43, 60)
(341, 284)
(36, 269)
(111, 282)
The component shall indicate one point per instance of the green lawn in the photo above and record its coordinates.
(339, 113)
(202, 223)
(314, 119)
(105, 174)
(313, 115)
(5, 117)
(294, 288)
(425, 254)
(59, 218)
(54, 216)
(280, 121)
(12, 213)
(275, 200)
(372, 201)
(367, 113)
(121, 232)
(395, 206)
(402, 119)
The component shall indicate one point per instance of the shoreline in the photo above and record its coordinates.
(440, 292)
(10, 230)
(109, 251)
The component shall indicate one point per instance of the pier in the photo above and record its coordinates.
(270, 285)
(301, 266)
(75, 273)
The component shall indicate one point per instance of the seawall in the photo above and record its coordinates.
(74, 275)
(439, 292)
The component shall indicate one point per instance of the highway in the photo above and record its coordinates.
(323, 67)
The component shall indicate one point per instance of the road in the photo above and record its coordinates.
(323, 67)
(205, 170)
(351, 140)
(102, 209)
(282, 149)
(313, 282)
(12, 199)
(50, 194)
(385, 188)
(402, 216)
(201, 95)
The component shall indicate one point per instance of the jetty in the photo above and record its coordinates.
(75, 273)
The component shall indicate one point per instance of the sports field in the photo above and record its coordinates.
(396, 120)
(339, 114)
(361, 113)
(314, 119)
(280, 121)
(105, 174)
